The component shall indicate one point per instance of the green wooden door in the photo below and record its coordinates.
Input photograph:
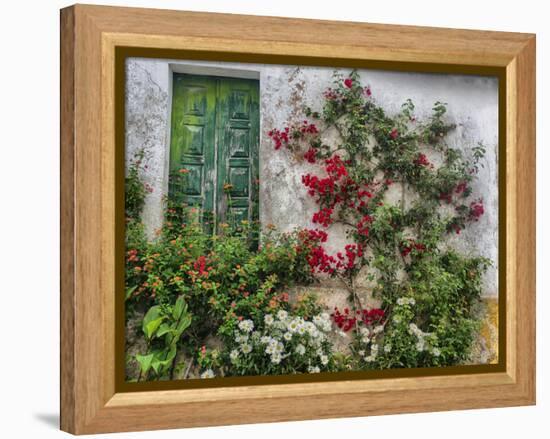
(214, 146)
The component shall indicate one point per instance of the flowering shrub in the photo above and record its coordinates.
(222, 278)
(377, 152)
(279, 343)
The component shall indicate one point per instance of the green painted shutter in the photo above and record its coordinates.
(192, 144)
(238, 138)
(215, 139)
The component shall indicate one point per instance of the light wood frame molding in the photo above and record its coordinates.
(89, 38)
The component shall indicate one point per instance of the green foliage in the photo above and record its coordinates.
(163, 327)
(135, 189)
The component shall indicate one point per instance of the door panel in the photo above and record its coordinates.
(214, 146)
(192, 145)
(238, 133)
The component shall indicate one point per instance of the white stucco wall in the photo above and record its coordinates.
(284, 90)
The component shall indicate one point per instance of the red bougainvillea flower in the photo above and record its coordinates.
(310, 155)
(200, 266)
(346, 320)
(323, 217)
(343, 319)
(461, 187)
(446, 196)
(279, 137)
(394, 133)
(422, 160)
(317, 235)
(330, 94)
(348, 82)
(372, 316)
(308, 128)
(367, 91)
(476, 209)
(336, 167)
(320, 261)
(363, 225)
(409, 246)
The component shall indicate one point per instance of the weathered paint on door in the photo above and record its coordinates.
(214, 140)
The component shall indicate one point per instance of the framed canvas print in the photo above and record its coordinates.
(273, 219)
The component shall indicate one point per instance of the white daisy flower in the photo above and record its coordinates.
(268, 319)
(412, 302)
(287, 336)
(208, 373)
(369, 359)
(436, 352)
(279, 348)
(397, 319)
(282, 315)
(265, 339)
(276, 358)
(246, 348)
(324, 360)
(293, 325)
(313, 369)
(387, 348)
(401, 301)
(378, 329)
(310, 327)
(374, 349)
(242, 338)
(420, 346)
(300, 349)
(234, 355)
(361, 353)
(246, 325)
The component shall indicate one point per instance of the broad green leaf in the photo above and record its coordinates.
(179, 308)
(152, 327)
(129, 292)
(144, 362)
(162, 360)
(183, 324)
(152, 321)
(163, 329)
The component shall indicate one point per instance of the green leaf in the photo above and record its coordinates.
(163, 360)
(179, 308)
(163, 329)
(145, 362)
(152, 321)
(129, 292)
(183, 324)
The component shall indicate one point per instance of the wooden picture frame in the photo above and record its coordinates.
(91, 39)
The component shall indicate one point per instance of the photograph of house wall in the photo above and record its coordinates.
(297, 219)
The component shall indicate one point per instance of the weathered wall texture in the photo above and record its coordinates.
(284, 90)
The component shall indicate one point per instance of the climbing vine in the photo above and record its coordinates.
(400, 246)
